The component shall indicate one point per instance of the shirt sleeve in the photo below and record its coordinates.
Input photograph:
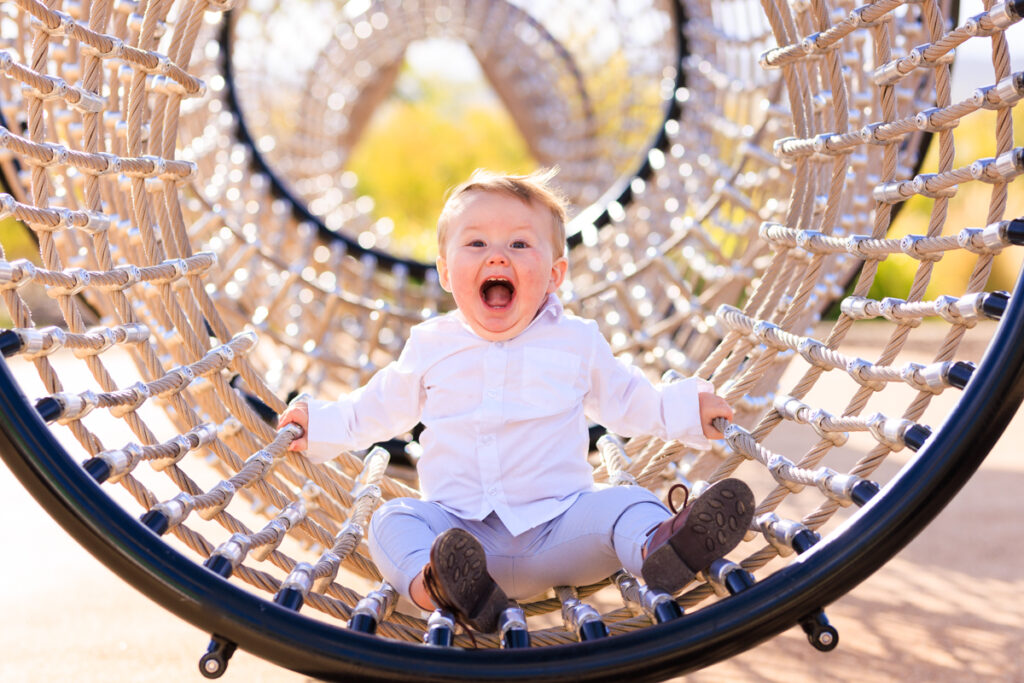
(622, 399)
(389, 404)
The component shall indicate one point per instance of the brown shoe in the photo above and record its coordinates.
(457, 580)
(702, 532)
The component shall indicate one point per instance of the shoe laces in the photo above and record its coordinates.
(671, 503)
(672, 506)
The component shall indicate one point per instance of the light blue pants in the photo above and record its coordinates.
(603, 531)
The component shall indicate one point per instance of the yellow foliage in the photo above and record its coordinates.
(413, 152)
(15, 243)
(974, 138)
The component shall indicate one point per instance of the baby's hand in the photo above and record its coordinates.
(712, 406)
(297, 414)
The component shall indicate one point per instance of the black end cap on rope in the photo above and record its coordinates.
(863, 491)
(290, 598)
(516, 639)
(10, 343)
(156, 521)
(219, 565)
(667, 611)
(820, 633)
(994, 304)
(1014, 229)
(439, 636)
(215, 662)
(960, 373)
(915, 437)
(738, 581)
(805, 540)
(97, 468)
(363, 623)
(592, 630)
(49, 409)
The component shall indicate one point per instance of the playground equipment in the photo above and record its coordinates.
(735, 166)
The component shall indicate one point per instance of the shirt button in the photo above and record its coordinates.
(493, 393)
(499, 345)
(492, 492)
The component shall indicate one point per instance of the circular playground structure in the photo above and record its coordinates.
(184, 251)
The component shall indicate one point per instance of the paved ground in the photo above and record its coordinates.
(948, 608)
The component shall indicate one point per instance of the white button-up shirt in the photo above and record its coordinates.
(506, 423)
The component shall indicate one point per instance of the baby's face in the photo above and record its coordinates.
(498, 262)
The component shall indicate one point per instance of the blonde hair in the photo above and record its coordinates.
(533, 187)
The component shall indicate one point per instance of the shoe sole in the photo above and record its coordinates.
(717, 522)
(460, 567)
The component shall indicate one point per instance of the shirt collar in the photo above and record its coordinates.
(552, 306)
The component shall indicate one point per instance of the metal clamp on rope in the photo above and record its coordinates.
(17, 273)
(512, 629)
(920, 186)
(657, 606)
(41, 342)
(225, 559)
(892, 310)
(261, 457)
(1009, 164)
(777, 464)
(182, 445)
(924, 120)
(1007, 92)
(322, 581)
(107, 339)
(582, 619)
(728, 578)
(372, 609)
(858, 369)
(170, 513)
(225, 491)
(139, 394)
(279, 527)
(786, 535)
(890, 432)
(817, 420)
(295, 587)
(440, 629)
(111, 466)
(1005, 14)
(75, 406)
(287, 519)
(834, 485)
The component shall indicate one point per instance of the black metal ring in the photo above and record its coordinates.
(839, 562)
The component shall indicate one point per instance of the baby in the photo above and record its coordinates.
(504, 386)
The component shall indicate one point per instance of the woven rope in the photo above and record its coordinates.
(174, 275)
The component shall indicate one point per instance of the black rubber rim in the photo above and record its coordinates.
(864, 543)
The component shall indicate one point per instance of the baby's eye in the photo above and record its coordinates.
(476, 243)
(519, 244)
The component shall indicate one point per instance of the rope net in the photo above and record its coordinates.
(195, 269)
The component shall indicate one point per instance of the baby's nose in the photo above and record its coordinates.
(497, 256)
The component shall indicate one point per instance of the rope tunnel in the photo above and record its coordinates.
(740, 173)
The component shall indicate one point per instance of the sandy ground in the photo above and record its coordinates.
(948, 608)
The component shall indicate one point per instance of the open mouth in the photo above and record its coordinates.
(497, 292)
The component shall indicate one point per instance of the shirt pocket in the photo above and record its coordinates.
(550, 380)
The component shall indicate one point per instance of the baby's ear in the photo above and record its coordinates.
(558, 270)
(442, 274)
